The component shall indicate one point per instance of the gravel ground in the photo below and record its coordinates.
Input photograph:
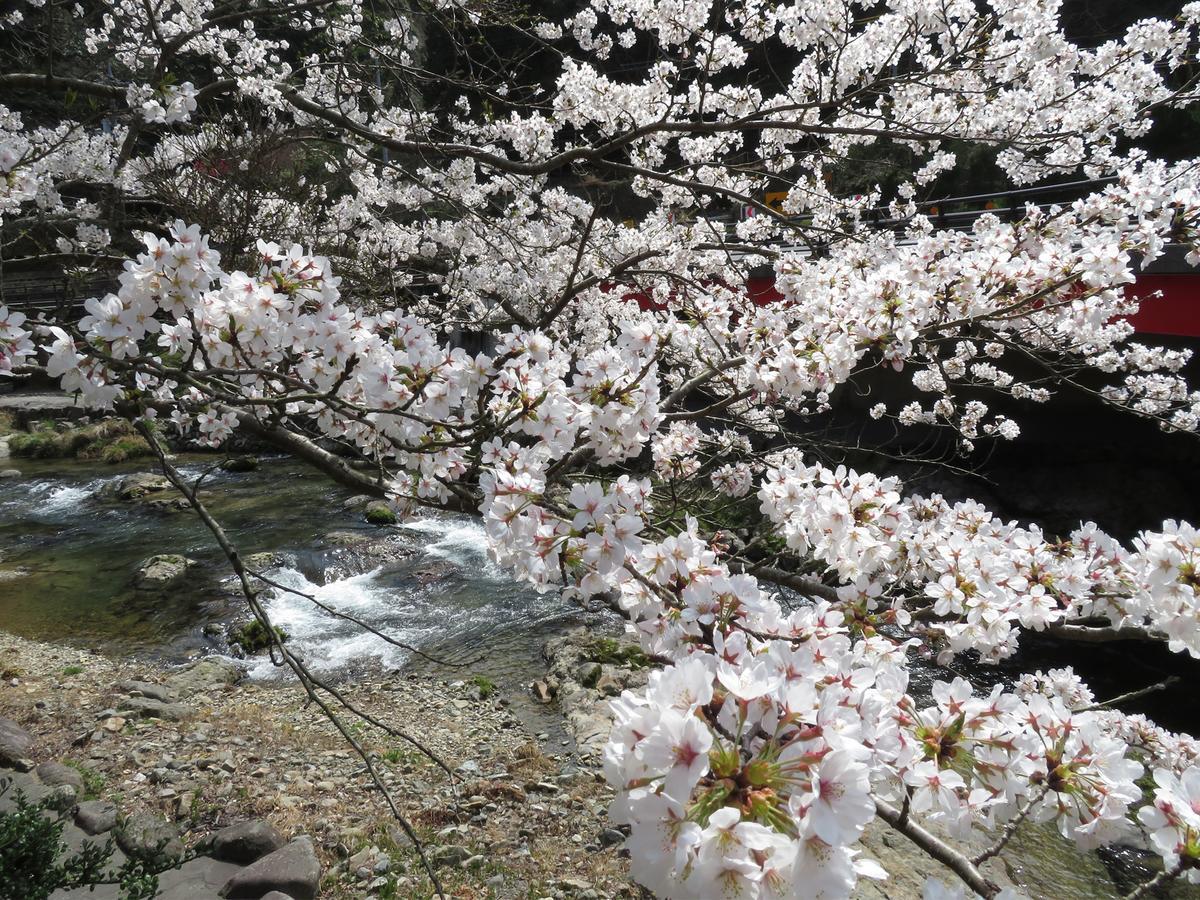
(514, 821)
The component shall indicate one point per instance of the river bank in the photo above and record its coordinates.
(527, 822)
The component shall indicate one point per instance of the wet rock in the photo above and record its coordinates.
(264, 560)
(15, 743)
(55, 773)
(293, 869)
(277, 895)
(358, 501)
(209, 674)
(380, 512)
(245, 842)
(542, 692)
(9, 473)
(240, 464)
(146, 689)
(147, 708)
(146, 835)
(162, 571)
(137, 486)
(96, 816)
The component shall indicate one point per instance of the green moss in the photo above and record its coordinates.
(253, 637)
(72, 670)
(612, 652)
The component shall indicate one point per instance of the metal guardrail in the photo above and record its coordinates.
(50, 293)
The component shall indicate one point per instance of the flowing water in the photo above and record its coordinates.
(68, 552)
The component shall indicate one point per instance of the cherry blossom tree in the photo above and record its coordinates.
(556, 194)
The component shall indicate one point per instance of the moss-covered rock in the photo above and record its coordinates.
(253, 636)
(378, 512)
(240, 464)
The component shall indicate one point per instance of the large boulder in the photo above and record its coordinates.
(96, 816)
(146, 835)
(245, 842)
(160, 572)
(209, 674)
(149, 708)
(292, 870)
(56, 773)
(15, 743)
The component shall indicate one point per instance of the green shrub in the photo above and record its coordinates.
(72, 670)
(30, 846)
(486, 686)
(112, 441)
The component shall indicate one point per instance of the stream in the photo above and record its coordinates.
(68, 552)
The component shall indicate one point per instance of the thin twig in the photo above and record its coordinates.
(301, 671)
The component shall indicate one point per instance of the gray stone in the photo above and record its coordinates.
(293, 869)
(55, 773)
(162, 571)
(610, 837)
(9, 473)
(588, 674)
(96, 816)
(196, 879)
(15, 743)
(145, 834)
(138, 485)
(448, 855)
(146, 689)
(277, 895)
(209, 674)
(146, 708)
(246, 842)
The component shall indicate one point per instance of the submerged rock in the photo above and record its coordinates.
(162, 571)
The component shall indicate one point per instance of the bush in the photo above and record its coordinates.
(486, 686)
(30, 846)
(111, 441)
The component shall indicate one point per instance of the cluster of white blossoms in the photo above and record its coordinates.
(15, 343)
(754, 761)
(972, 577)
(169, 105)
